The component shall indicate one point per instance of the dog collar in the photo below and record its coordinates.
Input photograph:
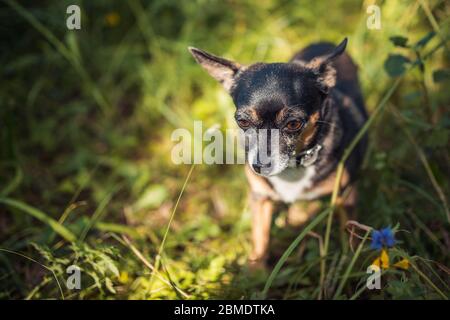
(308, 157)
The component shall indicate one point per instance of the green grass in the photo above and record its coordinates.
(86, 176)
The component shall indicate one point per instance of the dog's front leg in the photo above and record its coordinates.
(262, 210)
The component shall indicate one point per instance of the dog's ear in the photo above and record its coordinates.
(323, 69)
(221, 69)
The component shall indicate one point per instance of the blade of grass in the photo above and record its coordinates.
(98, 212)
(95, 92)
(433, 22)
(14, 183)
(358, 137)
(163, 242)
(347, 153)
(37, 288)
(427, 263)
(421, 192)
(126, 242)
(424, 160)
(340, 168)
(77, 193)
(291, 248)
(427, 280)
(358, 292)
(117, 228)
(42, 265)
(350, 266)
(144, 26)
(427, 231)
(57, 227)
(363, 288)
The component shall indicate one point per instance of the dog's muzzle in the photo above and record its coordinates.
(308, 157)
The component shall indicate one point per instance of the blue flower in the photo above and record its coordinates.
(382, 238)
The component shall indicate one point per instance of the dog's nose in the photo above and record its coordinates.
(256, 167)
(259, 166)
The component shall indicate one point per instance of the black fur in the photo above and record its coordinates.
(348, 120)
(320, 78)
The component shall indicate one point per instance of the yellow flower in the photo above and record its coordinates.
(123, 277)
(382, 261)
(112, 19)
(402, 264)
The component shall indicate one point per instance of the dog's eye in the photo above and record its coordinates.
(243, 123)
(294, 125)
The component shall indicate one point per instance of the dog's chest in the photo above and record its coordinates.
(294, 183)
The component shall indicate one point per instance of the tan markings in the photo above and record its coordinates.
(262, 210)
(281, 114)
(259, 185)
(326, 186)
(300, 212)
(327, 76)
(251, 111)
(346, 204)
(316, 62)
(345, 101)
(308, 134)
(348, 103)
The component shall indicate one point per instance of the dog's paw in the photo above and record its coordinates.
(257, 265)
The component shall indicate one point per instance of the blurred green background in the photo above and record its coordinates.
(86, 175)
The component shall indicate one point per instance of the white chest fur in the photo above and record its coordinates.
(292, 183)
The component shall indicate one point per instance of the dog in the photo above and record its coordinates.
(314, 103)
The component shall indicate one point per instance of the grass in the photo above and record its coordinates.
(86, 176)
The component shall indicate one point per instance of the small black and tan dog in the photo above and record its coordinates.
(315, 103)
